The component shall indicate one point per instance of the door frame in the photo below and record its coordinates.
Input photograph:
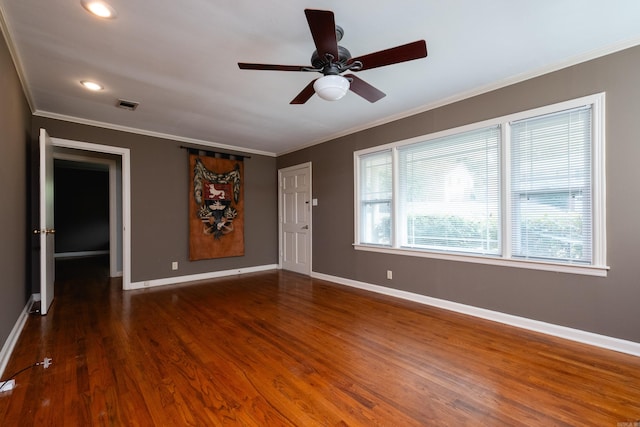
(125, 155)
(308, 166)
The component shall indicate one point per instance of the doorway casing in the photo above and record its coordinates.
(125, 155)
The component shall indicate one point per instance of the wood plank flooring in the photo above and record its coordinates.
(281, 349)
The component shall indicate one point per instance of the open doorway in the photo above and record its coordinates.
(87, 207)
(118, 161)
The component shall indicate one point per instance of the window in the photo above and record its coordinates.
(449, 196)
(525, 190)
(551, 186)
(376, 190)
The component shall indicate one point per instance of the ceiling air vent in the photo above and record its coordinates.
(127, 105)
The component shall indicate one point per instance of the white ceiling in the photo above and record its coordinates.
(178, 59)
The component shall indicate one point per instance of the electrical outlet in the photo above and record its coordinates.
(7, 385)
(389, 274)
(174, 265)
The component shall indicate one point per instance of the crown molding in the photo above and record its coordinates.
(137, 131)
(15, 57)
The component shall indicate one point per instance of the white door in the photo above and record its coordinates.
(46, 230)
(295, 218)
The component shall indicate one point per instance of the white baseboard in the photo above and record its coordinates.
(603, 341)
(12, 339)
(195, 277)
(79, 254)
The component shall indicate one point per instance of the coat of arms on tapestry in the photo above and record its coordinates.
(216, 207)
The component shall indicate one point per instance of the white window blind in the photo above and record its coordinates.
(551, 200)
(376, 187)
(449, 196)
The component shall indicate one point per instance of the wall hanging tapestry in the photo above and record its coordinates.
(216, 207)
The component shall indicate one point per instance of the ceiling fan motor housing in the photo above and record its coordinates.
(331, 65)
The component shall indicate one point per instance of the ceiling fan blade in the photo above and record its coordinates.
(305, 94)
(323, 30)
(394, 55)
(272, 67)
(364, 89)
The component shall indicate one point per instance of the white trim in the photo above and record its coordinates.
(599, 177)
(202, 276)
(357, 193)
(505, 202)
(587, 270)
(395, 200)
(590, 338)
(17, 60)
(12, 339)
(154, 134)
(125, 154)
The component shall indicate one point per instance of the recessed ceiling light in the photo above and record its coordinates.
(91, 85)
(99, 8)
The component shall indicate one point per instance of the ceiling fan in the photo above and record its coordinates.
(332, 60)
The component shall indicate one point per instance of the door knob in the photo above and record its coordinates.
(306, 227)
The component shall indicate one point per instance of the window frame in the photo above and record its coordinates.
(598, 267)
(377, 201)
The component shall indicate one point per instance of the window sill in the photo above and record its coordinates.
(586, 270)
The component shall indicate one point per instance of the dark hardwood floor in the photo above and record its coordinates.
(277, 348)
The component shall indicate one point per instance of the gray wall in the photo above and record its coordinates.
(159, 203)
(15, 121)
(607, 306)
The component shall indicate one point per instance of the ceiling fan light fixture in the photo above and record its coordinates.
(331, 87)
(99, 8)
